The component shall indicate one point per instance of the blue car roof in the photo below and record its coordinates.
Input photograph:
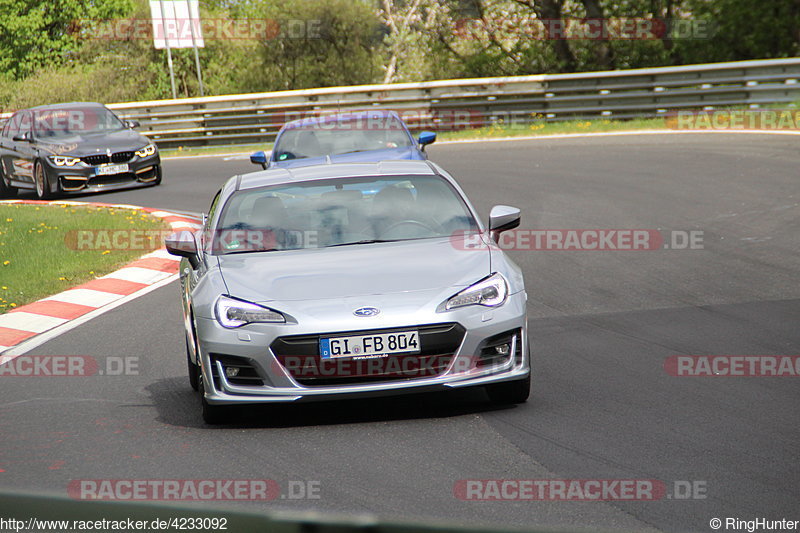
(343, 116)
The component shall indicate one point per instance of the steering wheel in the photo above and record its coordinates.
(409, 223)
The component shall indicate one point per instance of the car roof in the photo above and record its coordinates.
(277, 176)
(341, 117)
(67, 105)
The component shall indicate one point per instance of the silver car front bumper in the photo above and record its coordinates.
(253, 344)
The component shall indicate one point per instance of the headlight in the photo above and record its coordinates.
(490, 292)
(232, 313)
(64, 161)
(147, 151)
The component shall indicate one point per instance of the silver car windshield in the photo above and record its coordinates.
(340, 137)
(340, 212)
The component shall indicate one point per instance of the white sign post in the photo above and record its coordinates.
(176, 24)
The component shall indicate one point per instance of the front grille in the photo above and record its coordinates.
(246, 374)
(102, 159)
(113, 179)
(121, 157)
(94, 160)
(299, 355)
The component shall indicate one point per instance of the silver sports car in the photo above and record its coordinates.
(345, 280)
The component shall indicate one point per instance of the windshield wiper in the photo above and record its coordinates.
(350, 152)
(365, 241)
(231, 252)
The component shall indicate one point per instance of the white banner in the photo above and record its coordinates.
(176, 22)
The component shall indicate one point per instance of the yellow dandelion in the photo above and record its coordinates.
(9, 220)
(106, 252)
(12, 305)
(6, 262)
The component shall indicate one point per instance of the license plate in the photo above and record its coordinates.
(105, 170)
(369, 345)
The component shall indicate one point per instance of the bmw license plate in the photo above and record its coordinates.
(105, 170)
(369, 345)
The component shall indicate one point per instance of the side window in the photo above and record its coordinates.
(213, 209)
(205, 235)
(24, 123)
(12, 126)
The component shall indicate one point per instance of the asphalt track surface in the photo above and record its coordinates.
(601, 326)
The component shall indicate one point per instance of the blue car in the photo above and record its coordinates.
(360, 136)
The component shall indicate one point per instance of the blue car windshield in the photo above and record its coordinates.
(324, 213)
(336, 137)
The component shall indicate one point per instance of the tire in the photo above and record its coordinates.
(192, 369)
(42, 183)
(510, 392)
(212, 414)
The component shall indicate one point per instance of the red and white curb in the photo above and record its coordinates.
(85, 301)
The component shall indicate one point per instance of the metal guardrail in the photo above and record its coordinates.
(449, 104)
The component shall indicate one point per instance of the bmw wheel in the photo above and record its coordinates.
(42, 183)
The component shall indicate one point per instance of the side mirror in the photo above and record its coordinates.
(25, 137)
(259, 158)
(503, 218)
(132, 123)
(425, 138)
(183, 244)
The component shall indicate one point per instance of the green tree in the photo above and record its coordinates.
(36, 34)
(743, 29)
(320, 43)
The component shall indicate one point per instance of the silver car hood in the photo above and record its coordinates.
(355, 270)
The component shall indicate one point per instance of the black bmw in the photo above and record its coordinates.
(74, 148)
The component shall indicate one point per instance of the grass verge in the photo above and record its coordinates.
(541, 128)
(38, 247)
(215, 150)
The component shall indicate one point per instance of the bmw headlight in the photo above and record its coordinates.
(147, 151)
(232, 313)
(489, 292)
(64, 160)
